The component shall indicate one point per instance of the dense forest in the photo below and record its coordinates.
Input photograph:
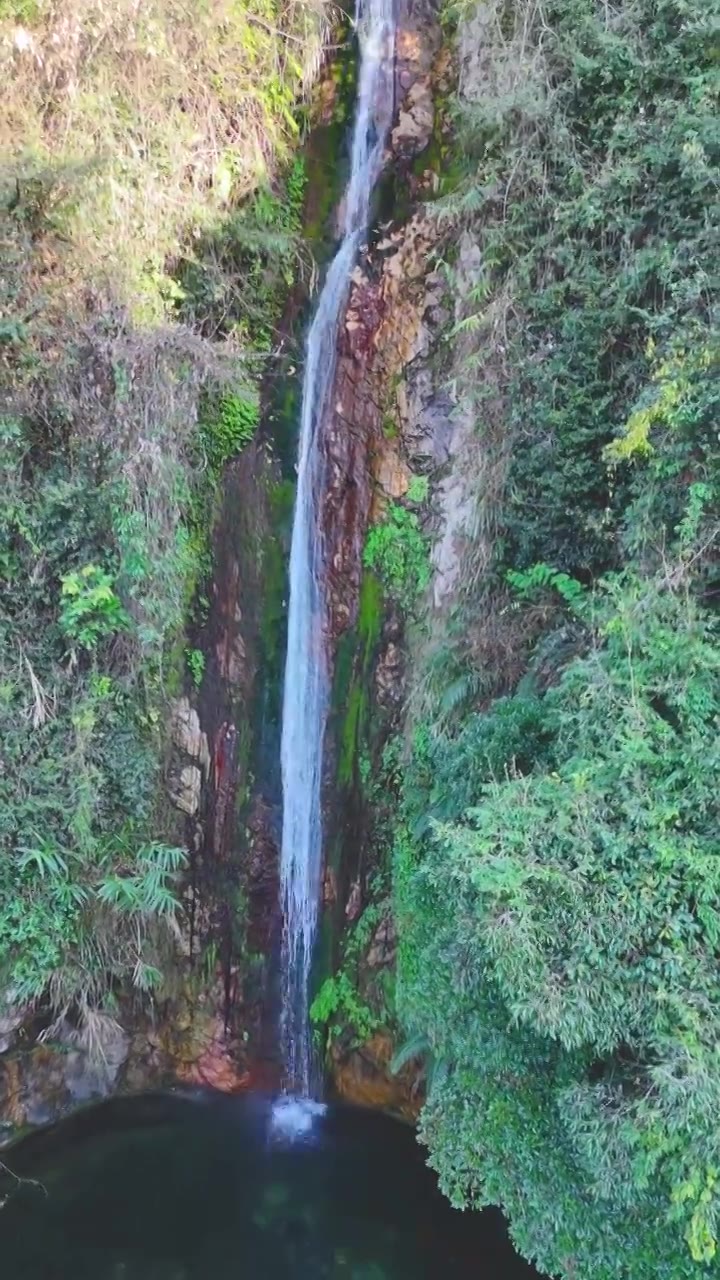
(555, 874)
(545, 810)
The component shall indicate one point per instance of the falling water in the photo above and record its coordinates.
(306, 670)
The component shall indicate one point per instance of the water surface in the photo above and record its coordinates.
(169, 1187)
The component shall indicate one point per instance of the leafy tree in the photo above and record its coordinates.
(572, 987)
(556, 865)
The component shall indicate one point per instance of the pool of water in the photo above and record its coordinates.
(207, 1187)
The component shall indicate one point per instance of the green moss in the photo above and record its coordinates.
(226, 427)
(326, 169)
(244, 744)
(351, 731)
(370, 612)
(273, 612)
(352, 673)
(19, 10)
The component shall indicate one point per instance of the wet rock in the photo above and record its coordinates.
(381, 952)
(330, 890)
(12, 1019)
(263, 878)
(225, 780)
(362, 1075)
(186, 789)
(389, 673)
(40, 1084)
(353, 906)
(214, 1060)
(416, 120)
(230, 645)
(186, 733)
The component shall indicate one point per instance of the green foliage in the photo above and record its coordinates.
(226, 428)
(357, 1000)
(76, 799)
(590, 176)
(195, 659)
(397, 550)
(418, 489)
(90, 609)
(116, 424)
(528, 582)
(131, 211)
(338, 1006)
(81, 749)
(237, 278)
(556, 873)
(570, 988)
(148, 890)
(19, 10)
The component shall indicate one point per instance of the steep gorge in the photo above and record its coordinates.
(516, 503)
(216, 1020)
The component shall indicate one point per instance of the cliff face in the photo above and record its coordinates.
(141, 294)
(391, 421)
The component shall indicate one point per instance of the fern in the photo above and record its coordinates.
(530, 582)
(418, 1046)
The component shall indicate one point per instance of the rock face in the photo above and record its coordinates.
(207, 1024)
(389, 419)
(361, 1074)
(387, 328)
(45, 1081)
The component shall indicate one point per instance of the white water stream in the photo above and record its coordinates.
(306, 690)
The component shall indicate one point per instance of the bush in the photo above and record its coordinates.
(592, 151)
(90, 610)
(137, 129)
(339, 1006)
(224, 432)
(397, 550)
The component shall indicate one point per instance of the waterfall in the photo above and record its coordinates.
(307, 677)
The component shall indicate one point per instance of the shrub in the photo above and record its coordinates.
(169, 124)
(196, 665)
(591, 153)
(339, 1006)
(397, 550)
(90, 610)
(556, 869)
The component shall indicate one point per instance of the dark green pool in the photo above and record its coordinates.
(205, 1187)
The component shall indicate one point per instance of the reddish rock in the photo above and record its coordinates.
(362, 1075)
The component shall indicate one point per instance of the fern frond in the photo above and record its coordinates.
(418, 1046)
